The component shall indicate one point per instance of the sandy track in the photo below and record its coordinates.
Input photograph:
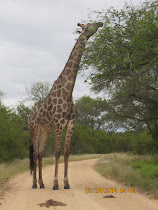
(20, 196)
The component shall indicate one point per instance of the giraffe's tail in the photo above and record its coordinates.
(31, 158)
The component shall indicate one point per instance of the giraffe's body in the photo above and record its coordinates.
(57, 111)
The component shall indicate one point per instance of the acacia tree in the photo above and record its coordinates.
(124, 59)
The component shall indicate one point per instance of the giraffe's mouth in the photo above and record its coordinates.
(78, 30)
(81, 25)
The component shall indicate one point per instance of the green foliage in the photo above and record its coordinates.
(146, 168)
(90, 112)
(87, 140)
(136, 143)
(13, 139)
(23, 112)
(127, 35)
(124, 59)
(82, 140)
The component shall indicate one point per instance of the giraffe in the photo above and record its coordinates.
(57, 112)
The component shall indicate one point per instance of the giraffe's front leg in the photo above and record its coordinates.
(58, 135)
(69, 131)
(66, 182)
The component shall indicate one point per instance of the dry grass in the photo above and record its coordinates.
(7, 170)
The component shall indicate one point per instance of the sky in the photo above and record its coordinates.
(36, 39)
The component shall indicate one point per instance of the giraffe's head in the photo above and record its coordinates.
(90, 28)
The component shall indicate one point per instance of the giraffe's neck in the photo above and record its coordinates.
(68, 75)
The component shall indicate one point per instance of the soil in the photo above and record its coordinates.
(89, 191)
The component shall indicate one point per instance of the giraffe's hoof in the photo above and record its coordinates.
(67, 187)
(56, 188)
(34, 186)
(42, 186)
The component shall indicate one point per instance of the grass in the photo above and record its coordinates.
(132, 170)
(148, 168)
(7, 170)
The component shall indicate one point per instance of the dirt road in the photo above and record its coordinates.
(20, 196)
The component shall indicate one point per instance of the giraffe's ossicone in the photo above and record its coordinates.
(57, 111)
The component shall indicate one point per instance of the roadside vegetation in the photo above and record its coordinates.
(140, 171)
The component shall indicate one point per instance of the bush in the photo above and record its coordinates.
(13, 139)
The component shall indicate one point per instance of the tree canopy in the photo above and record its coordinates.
(124, 61)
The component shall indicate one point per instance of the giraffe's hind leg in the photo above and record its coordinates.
(34, 186)
(43, 135)
(40, 181)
